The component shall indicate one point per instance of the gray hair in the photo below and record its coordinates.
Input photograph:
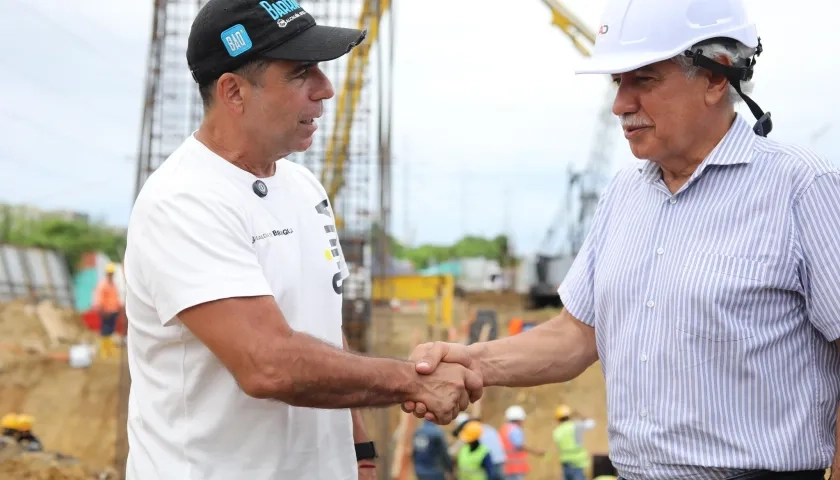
(736, 52)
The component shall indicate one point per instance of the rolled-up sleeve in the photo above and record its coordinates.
(817, 242)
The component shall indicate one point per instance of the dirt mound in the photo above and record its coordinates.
(75, 410)
(21, 465)
(40, 326)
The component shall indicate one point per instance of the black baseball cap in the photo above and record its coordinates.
(227, 34)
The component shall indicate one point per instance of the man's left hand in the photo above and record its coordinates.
(367, 470)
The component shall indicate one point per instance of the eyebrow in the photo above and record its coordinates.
(303, 67)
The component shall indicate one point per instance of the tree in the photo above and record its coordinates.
(70, 238)
(496, 248)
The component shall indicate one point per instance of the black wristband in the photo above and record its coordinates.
(366, 451)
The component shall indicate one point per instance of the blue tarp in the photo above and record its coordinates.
(451, 268)
(84, 283)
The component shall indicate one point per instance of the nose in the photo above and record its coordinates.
(324, 89)
(625, 100)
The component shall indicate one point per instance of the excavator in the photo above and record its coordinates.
(550, 265)
(543, 291)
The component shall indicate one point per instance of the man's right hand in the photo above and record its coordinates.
(446, 392)
(433, 356)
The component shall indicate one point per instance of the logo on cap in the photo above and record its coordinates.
(236, 40)
(283, 11)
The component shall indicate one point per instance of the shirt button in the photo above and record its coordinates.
(673, 200)
(643, 357)
(650, 304)
(660, 251)
(643, 412)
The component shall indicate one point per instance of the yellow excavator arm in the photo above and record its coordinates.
(582, 37)
(332, 172)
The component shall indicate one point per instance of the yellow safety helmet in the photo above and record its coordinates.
(563, 411)
(24, 422)
(9, 421)
(110, 268)
(471, 432)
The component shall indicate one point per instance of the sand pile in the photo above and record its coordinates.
(19, 465)
(40, 327)
(75, 410)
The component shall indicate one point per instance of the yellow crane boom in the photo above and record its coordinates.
(332, 173)
(336, 156)
(582, 37)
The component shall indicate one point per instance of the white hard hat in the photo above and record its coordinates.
(635, 33)
(461, 418)
(515, 413)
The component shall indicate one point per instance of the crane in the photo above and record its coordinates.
(332, 172)
(586, 183)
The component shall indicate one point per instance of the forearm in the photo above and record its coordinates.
(307, 372)
(555, 351)
(359, 432)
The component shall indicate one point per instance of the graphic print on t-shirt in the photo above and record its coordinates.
(333, 252)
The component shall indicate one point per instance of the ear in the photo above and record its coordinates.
(718, 84)
(229, 92)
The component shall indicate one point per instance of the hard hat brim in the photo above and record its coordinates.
(619, 63)
(615, 63)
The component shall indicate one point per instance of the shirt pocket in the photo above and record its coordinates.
(719, 295)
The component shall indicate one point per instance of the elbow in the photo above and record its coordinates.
(265, 383)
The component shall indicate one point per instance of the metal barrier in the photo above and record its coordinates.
(35, 274)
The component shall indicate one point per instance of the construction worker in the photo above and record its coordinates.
(707, 285)
(106, 301)
(9, 425)
(26, 439)
(567, 435)
(513, 440)
(474, 462)
(490, 438)
(430, 456)
(234, 276)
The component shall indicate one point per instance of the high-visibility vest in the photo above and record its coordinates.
(570, 450)
(469, 463)
(517, 460)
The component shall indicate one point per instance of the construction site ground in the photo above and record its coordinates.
(586, 394)
(76, 409)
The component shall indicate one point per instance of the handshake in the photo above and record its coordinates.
(449, 380)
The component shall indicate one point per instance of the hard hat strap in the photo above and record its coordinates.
(736, 75)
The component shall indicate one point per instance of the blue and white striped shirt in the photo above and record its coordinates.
(714, 309)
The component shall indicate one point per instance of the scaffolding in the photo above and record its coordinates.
(350, 153)
(172, 106)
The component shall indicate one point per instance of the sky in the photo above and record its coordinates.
(488, 113)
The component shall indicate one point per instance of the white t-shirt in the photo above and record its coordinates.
(198, 232)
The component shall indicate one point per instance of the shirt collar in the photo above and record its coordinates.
(734, 148)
